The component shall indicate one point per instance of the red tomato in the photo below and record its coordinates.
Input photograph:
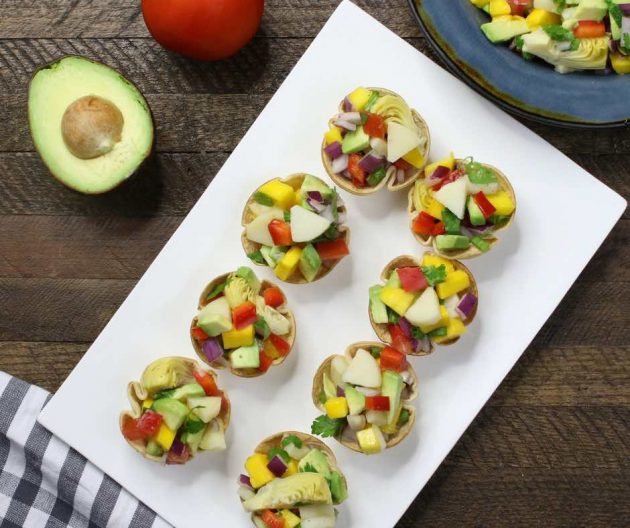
(265, 362)
(272, 520)
(399, 340)
(357, 173)
(130, 430)
(199, 334)
(391, 359)
(244, 315)
(375, 126)
(423, 224)
(207, 382)
(273, 297)
(332, 250)
(203, 29)
(519, 7)
(280, 233)
(412, 279)
(149, 423)
(438, 229)
(589, 29)
(282, 346)
(377, 403)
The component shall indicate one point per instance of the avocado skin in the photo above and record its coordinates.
(147, 156)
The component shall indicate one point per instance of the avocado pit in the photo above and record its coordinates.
(91, 126)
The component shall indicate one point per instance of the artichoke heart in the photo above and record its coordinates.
(394, 108)
(301, 488)
(237, 291)
(278, 323)
(166, 373)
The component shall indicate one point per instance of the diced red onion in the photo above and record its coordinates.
(466, 305)
(356, 422)
(277, 466)
(340, 164)
(400, 176)
(212, 349)
(414, 343)
(370, 162)
(405, 326)
(368, 392)
(345, 124)
(350, 117)
(318, 207)
(439, 173)
(315, 196)
(625, 8)
(379, 146)
(347, 105)
(334, 150)
(340, 392)
(178, 447)
(346, 174)
(472, 231)
(244, 481)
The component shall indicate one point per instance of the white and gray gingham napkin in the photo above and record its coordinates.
(44, 483)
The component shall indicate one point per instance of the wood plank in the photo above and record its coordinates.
(106, 247)
(118, 18)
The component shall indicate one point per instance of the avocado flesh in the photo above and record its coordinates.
(53, 89)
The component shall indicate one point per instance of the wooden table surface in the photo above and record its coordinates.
(551, 447)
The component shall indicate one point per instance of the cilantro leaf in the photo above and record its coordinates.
(392, 316)
(404, 417)
(438, 332)
(376, 177)
(292, 439)
(308, 468)
(451, 222)
(216, 291)
(257, 257)
(262, 328)
(277, 451)
(263, 199)
(560, 34)
(416, 333)
(287, 216)
(625, 43)
(193, 426)
(615, 12)
(373, 98)
(375, 351)
(324, 426)
(560, 4)
(434, 274)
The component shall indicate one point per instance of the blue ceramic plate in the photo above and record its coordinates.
(527, 88)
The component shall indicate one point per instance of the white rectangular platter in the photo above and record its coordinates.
(521, 281)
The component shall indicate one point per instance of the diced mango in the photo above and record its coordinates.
(442, 322)
(359, 98)
(480, 3)
(336, 407)
(292, 468)
(270, 350)
(541, 17)
(289, 263)
(620, 63)
(146, 404)
(434, 208)
(290, 519)
(499, 8)
(414, 157)
(333, 134)
(281, 193)
(502, 202)
(397, 299)
(238, 338)
(433, 260)
(165, 437)
(369, 441)
(454, 283)
(449, 163)
(259, 473)
(454, 329)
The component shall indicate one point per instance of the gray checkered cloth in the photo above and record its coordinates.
(44, 483)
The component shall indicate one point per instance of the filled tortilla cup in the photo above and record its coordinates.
(375, 140)
(176, 411)
(485, 203)
(422, 303)
(292, 476)
(243, 324)
(296, 227)
(365, 396)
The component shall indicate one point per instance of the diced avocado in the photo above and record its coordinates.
(250, 277)
(272, 254)
(318, 461)
(215, 318)
(356, 400)
(193, 440)
(452, 242)
(184, 392)
(310, 262)
(392, 386)
(338, 487)
(213, 438)
(394, 280)
(355, 141)
(591, 10)
(154, 449)
(377, 307)
(172, 411)
(475, 214)
(504, 28)
(330, 389)
(207, 408)
(246, 357)
(311, 183)
(615, 30)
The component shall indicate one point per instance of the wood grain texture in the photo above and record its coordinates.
(551, 448)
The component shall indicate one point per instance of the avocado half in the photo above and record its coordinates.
(90, 125)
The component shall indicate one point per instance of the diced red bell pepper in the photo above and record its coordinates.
(244, 315)
(272, 520)
(487, 209)
(449, 178)
(280, 344)
(273, 297)
(589, 29)
(358, 174)
(377, 403)
(207, 382)
(400, 341)
(174, 457)
(438, 229)
(423, 224)
(280, 233)
(391, 359)
(374, 126)
(265, 362)
(412, 279)
(199, 334)
(332, 250)
(402, 164)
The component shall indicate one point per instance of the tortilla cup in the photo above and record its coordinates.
(390, 181)
(295, 181)
(471, 251)
(222, 362)
(136, 394)
(308, 440)
(382, 329)
(318, 387)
